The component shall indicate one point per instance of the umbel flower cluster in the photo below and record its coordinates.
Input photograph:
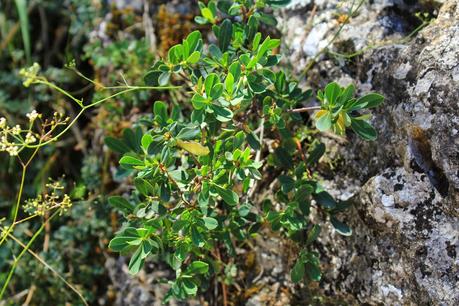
(14, 138)
(30, 74)
(55, 198)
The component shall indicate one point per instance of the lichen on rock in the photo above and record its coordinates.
(405, 243)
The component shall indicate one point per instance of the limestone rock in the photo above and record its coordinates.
(404, 249)
(405, 242)
(420, 82)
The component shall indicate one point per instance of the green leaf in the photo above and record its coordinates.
(193, 147)
(198, 267)
(324, 121)
(151, 78)
(272, 60)
(325, 199)
(164, 77)
(256, 41)
(121, 204)
(266, 45)
(116, 145)
(235, 70)
(21, 6)
(363, 129)
(347, 94)
(207, 13)
(146, 248)
(136, 262)
(193, 40)
(194, 57)
(122, 242)
(189, 287)
(210, 82)
(131, 161)
(368, 101)
(200, 20)
(238, 140)
(147, 139)
(188, 133)
(277, 3)
(297, 272)
(196, 237)
(229, 83)
(340, 227)
(215, 52)
(175, 54)
(222, 114)
(210, 223)
(216, 91)
(244, 210)
(229, 196)
(313, 271)
(287, 183)
(160, 111)
(256, 83)
(133, 139)
(143, 186)
(332, 91)
(225, 35)
(253, 141)
(198, 101)
(268, 19)
(283, 158)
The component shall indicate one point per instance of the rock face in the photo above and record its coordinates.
(405, 245)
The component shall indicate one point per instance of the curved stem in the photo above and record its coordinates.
(15, 209)
(85, 107)
(43, 262)
(62, 91)
(60, 134)
(16, 260)
(304, 109)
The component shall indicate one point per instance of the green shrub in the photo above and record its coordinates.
(233, 126)
(196, 162)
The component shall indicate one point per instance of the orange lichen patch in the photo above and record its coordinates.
(252, 291)
(420, 147)
(171, 28)
(421, 150)
(343, 18)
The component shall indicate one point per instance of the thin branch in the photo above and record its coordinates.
(29, 295)
(16, 260)
(350, 14)
(43, 262)
(304, 109)
(257, 157)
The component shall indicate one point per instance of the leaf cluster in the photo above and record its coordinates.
(194, 165)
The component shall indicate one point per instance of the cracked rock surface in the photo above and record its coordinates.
(405, 242)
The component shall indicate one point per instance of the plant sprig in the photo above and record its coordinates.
(193, 163)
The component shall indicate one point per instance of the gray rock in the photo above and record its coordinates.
(403, 253)
(404, 250)
(421, 88)
(145, 288)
